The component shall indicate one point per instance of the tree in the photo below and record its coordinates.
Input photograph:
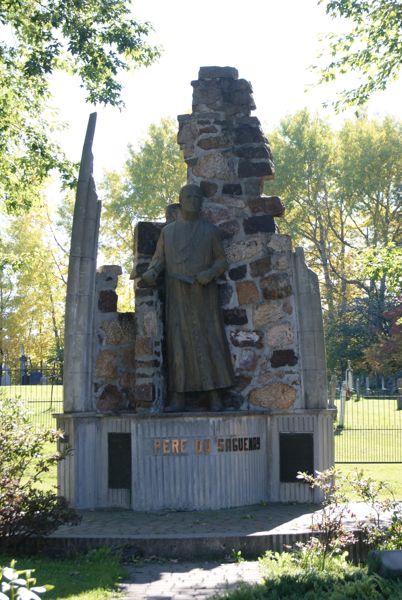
(32, 288)
(372, 48)
(342, 195)
(95, 40)
(151, 179)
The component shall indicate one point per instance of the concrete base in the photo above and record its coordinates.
(192, 461)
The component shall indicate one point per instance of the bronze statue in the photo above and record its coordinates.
(190, 253)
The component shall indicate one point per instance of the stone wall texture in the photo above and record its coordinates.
(261, 293)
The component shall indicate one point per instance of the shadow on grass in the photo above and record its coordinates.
(94, 576)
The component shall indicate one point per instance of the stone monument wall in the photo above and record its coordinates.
(267, 288)
(114, 345)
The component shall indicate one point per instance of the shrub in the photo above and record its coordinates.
(19, 585)
(24, 509)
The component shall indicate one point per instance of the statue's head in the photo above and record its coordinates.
(190, 198)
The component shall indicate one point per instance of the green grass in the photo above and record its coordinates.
(372, 431)
(92, 577)
(390, 473)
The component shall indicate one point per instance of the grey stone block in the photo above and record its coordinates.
(387, 563)
(218, 72)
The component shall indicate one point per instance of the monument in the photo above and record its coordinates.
(212, 393)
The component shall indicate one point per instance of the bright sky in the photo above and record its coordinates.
(272, 43)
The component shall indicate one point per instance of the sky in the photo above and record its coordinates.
(272, 43)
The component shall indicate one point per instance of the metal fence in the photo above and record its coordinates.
(39, 390)
(369, 430)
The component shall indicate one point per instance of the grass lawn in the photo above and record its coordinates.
(92, 577)
(372, 431)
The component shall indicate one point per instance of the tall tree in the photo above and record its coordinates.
(342, 193)
(96, 40)
(32, 289)
(151, 179)
(371, 50)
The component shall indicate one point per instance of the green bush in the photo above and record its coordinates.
(24, 509)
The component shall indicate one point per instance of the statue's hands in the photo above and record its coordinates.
(149, 277)
(204, 277)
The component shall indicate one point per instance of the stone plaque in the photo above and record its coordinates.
(119, 455)
(296, 453)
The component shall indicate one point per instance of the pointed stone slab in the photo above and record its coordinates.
(81, 285)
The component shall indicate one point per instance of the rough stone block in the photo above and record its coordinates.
(111, 400)
(246, 360)
(107, 301)
(387, 563)
(120, 330)
(214, 166)
(246, 338)
(215, 213)
(248, 134)
(143, 346)
(253, 186)
(232, 189)
(253, 151)
(146, 237)
(259, 223)
(280, 336)
(238, 272)
(247, 292)
(208, 188)
(243, 250)
(128, 358)
(268, 313)
(144, 393)
(274, 395)
(263, 168)
(213, 142)
(218, 72)
(280, 243)
(269, 205)
(235, 316)
(261, 266)
(276, 286)
(280, 358)
(208, 129)
(229, 229)
(127, 381)
(106, 365)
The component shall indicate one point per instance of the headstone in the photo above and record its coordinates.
(399, 398)
(387, 563)
(349, 378)
(358, 389)
(332, 390)
(344, 390)
(6, 376)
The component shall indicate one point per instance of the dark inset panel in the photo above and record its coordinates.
(119, 463)
(296, 453)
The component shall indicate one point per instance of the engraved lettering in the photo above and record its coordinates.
(176, 446)
(183, 446)
(220, 445)
(207, 446)
(235, 446)
(157, 445)
(246, 446)
(198, 446)
(241, 440)
(166, 447)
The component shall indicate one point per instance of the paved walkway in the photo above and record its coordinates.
(187, 581)
(249, 520)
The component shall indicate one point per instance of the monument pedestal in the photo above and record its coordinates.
(192, 461)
